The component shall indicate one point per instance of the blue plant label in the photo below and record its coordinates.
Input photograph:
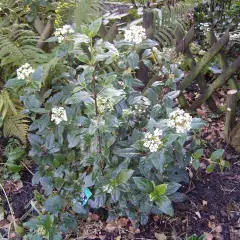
(85, 195)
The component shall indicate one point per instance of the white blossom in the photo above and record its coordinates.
(62, 33)
(58, 115)
(105, 104)
(153, 141)
(135, 34)
(108, 188)
(180, 121)
(24, 71)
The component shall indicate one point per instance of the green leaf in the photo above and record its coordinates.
(126, 152)
(94, 27)
(198, 153)
(79, 97)
(158, 160)
(123, 176)
(195, 164)
(161, 189)
(143, 184)
(210, 168)
(15, 83)
(217, 155)
(50, 141)
(165, 205)
(54, 204)
(197, 123)
(73, 139)
(133, 60)
(172, 187)
(69, 222)
(178, 197)
(78, 208)
(158, 191)
(148, 43)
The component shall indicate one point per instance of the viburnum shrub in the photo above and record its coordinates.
(100, 142)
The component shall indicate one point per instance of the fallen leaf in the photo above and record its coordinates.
(11, 218)
(4, 224)
(118, 238)
(212, 217)
(131, 229)
(123, 222)
(204, 203)
(160, 236)
(208, 236)
(218, 229)
(155, 218)
(198, 214)
(137, 230)
(110, 227)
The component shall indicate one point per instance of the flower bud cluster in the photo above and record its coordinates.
(62, 33)
(58, 115)
(153, 141)
(24, 71)
(135, 34)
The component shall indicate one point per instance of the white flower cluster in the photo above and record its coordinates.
(135, 110)
(58, 115)
(153, 141)
(24, 71)
(205, 27)
(180, 121)
(235, 36)
(108, 188)
(62, 33)
(105, 104)
(135, 34)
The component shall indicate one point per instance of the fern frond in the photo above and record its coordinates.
(18, 46)
(168, 18)
(6, 105)
(16, 126)
(87, 11)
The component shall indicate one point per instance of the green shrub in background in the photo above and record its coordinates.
(100, 143)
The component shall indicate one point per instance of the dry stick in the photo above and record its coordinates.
(204, 61)
(112, 33)
(46, 33)
(10, 207)
(216, 84)
(38, 25)
(223, 61)
(192, 63)
(96, 114)
(230, 113)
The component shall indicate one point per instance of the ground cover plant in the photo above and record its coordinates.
(99, 138)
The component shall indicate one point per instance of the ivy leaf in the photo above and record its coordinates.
(165, 205)
(123, 176)
(94, 27)
(143, 184)
(54, 204)
(133, 60)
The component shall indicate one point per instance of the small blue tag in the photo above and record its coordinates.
(85, 195)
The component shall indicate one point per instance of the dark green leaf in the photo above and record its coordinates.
(197, 123)
(195, 164)
(15, 83)
(123, 176)
(54, 204)
(69, 222)
(144, 184)
(78, 208)
(126, 152)
(172, 187)
(165, 205)
(210, 168)
(158, 160)
(133, 60)
(217, 155)
(94, 27)
(198, 154)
